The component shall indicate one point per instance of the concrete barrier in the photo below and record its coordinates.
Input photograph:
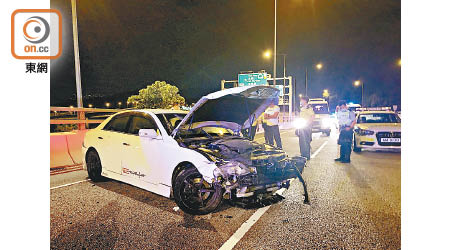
(65, 148)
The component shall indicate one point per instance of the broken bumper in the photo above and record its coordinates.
(270, 176)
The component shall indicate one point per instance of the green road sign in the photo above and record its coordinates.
(281, 88)
(252, 79)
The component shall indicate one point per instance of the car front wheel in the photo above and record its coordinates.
(355, 148)
(194, 195)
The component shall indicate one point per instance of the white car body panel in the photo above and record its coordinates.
(145, 163)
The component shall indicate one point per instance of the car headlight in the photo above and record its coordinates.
(231, 168)
(360, 131)
(299, 123)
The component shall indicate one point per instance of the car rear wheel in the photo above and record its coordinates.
(94, 166)
(194, 195)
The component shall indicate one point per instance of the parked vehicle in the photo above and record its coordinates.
(322, 121)
(377, 130)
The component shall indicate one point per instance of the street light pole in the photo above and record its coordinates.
(357, 83)
(362, 94)
(318, 67)
(275, 47)
(77, 63)
(306, 81)
(284, 69)
(284, 83)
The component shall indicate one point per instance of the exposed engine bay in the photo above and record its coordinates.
(246, 168)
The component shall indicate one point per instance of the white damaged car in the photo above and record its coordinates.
(198, 158)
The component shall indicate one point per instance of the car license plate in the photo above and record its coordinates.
(390, 139)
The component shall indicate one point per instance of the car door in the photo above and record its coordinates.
(140, 154)
(111, 152)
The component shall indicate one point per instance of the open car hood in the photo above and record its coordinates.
(233, 108)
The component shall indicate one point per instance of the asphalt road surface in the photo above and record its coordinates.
(353, 206)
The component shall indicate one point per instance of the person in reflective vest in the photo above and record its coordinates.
(347, 121)
(271, 116)
(255, 126)
(305, 133)
(265, 129)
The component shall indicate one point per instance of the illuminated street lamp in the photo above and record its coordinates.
(90, 105)
(267, 54)
(107, 104)
(120, 104)
(319, 66)
(357, 83)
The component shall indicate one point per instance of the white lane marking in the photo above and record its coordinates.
(243, 229)
(65, 185)
(234, 239)
(318, 150)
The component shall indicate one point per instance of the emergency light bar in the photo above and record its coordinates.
(374, 109)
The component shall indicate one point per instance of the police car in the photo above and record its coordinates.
(377, 129)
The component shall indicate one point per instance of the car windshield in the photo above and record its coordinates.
(378, 118)
(209, 132)
(170, 120)
(320, 108)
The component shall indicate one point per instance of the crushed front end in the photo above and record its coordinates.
(246, 168)
(262, 177)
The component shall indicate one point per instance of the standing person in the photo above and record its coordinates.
(271, 116)
(347, 120)
(305, 134)
(264, 126)
(176, 106)
(255, 126)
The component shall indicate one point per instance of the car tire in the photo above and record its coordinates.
(94, 166)
(355, 148)
(187, 192)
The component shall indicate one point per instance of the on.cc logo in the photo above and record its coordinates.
(40, 29)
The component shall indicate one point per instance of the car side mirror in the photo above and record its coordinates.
(149, 134)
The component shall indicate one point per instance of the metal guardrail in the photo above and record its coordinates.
(80, 113)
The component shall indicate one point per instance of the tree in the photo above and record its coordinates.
(158, 95)
(375, 100)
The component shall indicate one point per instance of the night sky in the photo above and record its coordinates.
(193, 44)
